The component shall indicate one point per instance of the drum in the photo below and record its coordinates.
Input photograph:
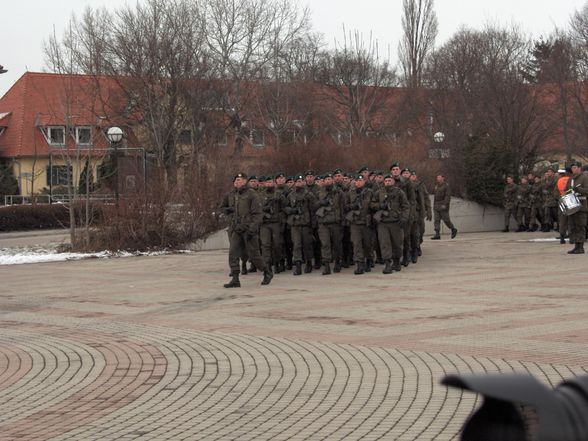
(569, 204)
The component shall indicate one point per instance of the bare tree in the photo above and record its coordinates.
(419, 25)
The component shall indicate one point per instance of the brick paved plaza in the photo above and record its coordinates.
(155, 348)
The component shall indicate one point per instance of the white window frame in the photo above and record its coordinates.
(255, 132)
(47, 133)
(78, 129)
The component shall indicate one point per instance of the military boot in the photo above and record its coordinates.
(415, 256)
(308, 267)
(267, 276)
(520, 229)
(506, 230)
(244, 268)
(396, 265)
(562, 239)
(405, 259)
(234, 283)
(388, 267)
(578, 248)
(453, 233)
(437, 236)
(281, 266)
(326, 268)
(533, 228)
(317, 264)
(419, 251)
(297, 268)
(252, 268)
(358, 268)
(369, 264)
(337, 266)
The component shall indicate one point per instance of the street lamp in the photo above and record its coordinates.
(115, 136)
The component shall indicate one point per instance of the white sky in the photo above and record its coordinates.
(26, 23)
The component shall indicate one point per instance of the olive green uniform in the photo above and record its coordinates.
(441, 202)
(270, 232)
(299, 205)
(510, 203)
(243, 208)
(329, 215)
(524, 205)
(577, 221)
(550, 201)
(357, 206)
(392, 211)
(536, 206)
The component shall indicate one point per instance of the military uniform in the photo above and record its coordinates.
(421, 212)
(392, 211)
(243, 209)
(316, 243)
(510, 204)
(578, 183)
(299, 206)
(536, 217)
(329, 215)
(270, 231)
(409, 230)
(441, 202)
(524, 206)
(549, 204)
(357, 207)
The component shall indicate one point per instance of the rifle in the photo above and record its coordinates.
(383, 212)
(322, 211)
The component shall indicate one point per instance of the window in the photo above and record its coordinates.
(56, 135)
(221, 138)
(83, 135)
(257, 138)
(59, 175)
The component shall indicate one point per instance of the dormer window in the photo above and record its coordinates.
(55, 136)
(83, 135)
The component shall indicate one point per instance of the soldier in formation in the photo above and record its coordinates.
(333, 221)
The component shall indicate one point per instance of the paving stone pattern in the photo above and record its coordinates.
(154, 348)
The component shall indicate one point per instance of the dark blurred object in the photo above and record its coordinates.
(520, 408)
(2, 70)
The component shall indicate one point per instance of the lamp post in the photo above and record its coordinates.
(115, 136)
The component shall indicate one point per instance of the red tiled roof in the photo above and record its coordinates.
(42, 99)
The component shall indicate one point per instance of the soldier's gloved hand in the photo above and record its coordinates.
(239, 229)
(267, 209)
(383, 205)
(324, 203)
(229, 210)
(288, 210)
(403, 223)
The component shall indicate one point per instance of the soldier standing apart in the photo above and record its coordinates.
(357, 206)
(510, 202)
(562, 220)
(441, 201)
(329, 215)
(578, 183)
(243, 208)
(523, 205)
(391, 212)
(299, 204)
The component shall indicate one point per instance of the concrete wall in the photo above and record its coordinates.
(468, 217)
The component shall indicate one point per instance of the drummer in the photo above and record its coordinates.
(578, 184)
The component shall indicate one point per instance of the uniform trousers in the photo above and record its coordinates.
(508, 212)
(391, 238)
(361, 237)
(330, 236)
(271, 242)
(240, 243)
(577, 226)
(301, 243)
(524, 216)
(442, 215)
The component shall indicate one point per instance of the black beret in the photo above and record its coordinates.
(405, 170)
(310, 172)
(328, 175)
(280, 175)
(363, 168)
(240, 175)
(253, 177)
(396, 164)
(299, 177)
(337, 171)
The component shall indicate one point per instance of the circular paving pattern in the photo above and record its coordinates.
(119, 381)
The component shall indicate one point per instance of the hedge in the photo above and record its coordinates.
(33, 217)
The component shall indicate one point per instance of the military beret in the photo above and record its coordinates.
(253, 177)
(299, 177)
(378, 172)
(310, 172)
(327, 175)
(396, 164)
(363, 168)
(280, 175)
(405, 170)
(337, 171)
(575, 163)
(388, 176)
(413, 172)
(359, 178)
(240, 175)
(290, 178)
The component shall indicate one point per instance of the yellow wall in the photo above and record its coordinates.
(31, 173)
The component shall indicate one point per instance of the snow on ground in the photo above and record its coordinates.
(19, 256)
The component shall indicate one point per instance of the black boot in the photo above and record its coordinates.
(297, 268)
(533, 228)
(267, 276)
(453, 232)
(396, 265)
(520, 229)
(317, 264)
(358, 268)
(437, 236)
(289, 264)
(308, 267)
(252, 268)
(562, 239)
(345, 263)
(369, 264)
(326, 268)
(415, 256)
(234, 283)
(578, 248)
(337, 266)
(505, 230)
(388, 268)
(420, 252)
(405, 259)
(244, 268)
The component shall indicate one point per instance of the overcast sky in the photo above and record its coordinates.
(26, 23)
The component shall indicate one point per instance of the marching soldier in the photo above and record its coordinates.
(549, 201)
(270, 232)
(406, 186)
(313, 187)
(243, 209)
(510, 202)
(536, 198)
(578, 184)
(523, 205)
(441, 201)
(299, 205)
(392, 211)
(357, 207)
(284, 189)
(423, 211)
(329, 215)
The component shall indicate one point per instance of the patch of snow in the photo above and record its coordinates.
(541, 239)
